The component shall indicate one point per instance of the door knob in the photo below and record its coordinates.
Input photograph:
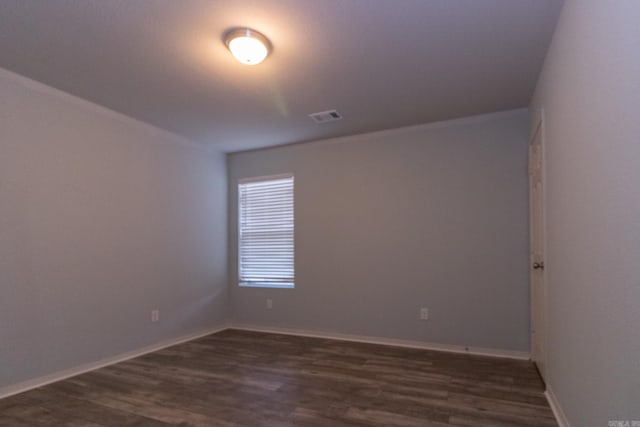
(538, 265)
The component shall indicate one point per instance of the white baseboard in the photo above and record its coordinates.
(71, 372)
(520, 355)
(561, 418)
(91, 366)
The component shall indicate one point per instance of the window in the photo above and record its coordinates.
(265, 232)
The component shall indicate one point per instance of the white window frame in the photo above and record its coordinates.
(288, 282)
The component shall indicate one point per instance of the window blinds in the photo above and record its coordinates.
(266, 231)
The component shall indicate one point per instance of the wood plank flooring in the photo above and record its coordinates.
(241, 378)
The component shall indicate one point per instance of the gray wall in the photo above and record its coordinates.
(102, 219)
(432, 216)
(590, 90)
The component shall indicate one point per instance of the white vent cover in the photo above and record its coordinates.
(326, 116)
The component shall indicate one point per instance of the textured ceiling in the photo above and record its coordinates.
(380, 63)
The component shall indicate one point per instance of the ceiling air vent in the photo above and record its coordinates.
(326, 116)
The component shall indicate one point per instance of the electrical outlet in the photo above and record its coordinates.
(424, 313)
(155, 315)
(269, 303)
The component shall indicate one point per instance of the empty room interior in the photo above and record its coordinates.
(320, 213)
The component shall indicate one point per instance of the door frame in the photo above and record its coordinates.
(538, 128)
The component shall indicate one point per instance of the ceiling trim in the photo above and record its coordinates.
(461, 121)
(97, 108)
(83, 103)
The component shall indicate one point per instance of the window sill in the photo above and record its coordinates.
(288, 285)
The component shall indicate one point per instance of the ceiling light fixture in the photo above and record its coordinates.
(247, 46)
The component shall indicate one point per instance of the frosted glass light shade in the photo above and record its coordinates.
(248, 46)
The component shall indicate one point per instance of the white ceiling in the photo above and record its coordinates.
(380, 63)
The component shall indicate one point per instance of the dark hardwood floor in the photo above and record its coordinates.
(240, 378)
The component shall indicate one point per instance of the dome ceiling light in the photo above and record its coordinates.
(247, 46)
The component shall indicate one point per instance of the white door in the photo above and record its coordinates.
(536, 218)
